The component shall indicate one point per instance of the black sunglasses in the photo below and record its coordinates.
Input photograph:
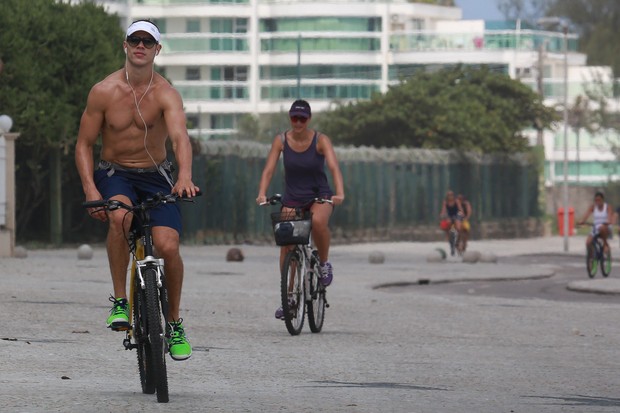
(134, 41)
(299, 119)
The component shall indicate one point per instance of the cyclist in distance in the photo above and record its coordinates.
(602, 218)
(466, 226)
(135, 110)
(451, 213)
(305, 153)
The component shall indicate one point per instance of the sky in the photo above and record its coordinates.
(479, 9)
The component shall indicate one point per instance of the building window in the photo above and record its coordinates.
(313, 24)
(192, 73)
(239, 25)
(161, 24)
(222, 121)
(192, 26)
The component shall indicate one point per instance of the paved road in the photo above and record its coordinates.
(408, 351)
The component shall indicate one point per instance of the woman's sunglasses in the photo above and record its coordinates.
(299, 119)
(134, 41)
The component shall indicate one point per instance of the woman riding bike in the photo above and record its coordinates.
(305, 153)
(451, 214)
(602, 217)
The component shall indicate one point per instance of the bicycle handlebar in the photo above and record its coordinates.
(277, 199)
(157, 199)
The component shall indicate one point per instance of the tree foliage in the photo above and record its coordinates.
(461, 108)
(53, 53)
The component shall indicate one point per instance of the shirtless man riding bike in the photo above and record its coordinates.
(135, 110)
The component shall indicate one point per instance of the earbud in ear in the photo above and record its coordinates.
(125, 49)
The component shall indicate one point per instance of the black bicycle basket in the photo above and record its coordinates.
(291, 229)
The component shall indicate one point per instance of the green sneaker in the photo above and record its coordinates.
(119, 315)
(178, 344)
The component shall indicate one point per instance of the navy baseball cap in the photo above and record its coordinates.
(300, 108)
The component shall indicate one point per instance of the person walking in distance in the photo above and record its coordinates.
(305, 153)
(135, 110)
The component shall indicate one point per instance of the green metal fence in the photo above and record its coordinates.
(385, 189)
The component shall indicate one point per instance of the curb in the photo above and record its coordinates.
(427, 281)
(604, 286)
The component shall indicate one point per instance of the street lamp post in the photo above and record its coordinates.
(562, 23)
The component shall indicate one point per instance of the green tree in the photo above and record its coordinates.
(461, 108)
(53, 53)
(262, 128)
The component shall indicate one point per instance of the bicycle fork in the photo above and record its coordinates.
(136, 270)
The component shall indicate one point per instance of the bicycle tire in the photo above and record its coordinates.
(292, 274)
(139, 333)
(316, 302)
(591, 261)
(453, 240)
(606, 263)
(156, 335)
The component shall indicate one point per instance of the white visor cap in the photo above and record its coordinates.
(144, 26)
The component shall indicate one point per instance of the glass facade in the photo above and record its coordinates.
(500, 40)
(325, 92)
(205, 43)
(321, 24)
(182, 2)
(397, 72)
(321, 72)
(338, 44)
(213, 91)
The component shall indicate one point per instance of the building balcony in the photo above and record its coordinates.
(525, 40)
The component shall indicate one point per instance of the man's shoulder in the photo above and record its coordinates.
(109, 84)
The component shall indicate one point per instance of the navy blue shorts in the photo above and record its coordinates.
(139, 186)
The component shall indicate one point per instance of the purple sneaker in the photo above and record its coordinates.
(327, 274)
(280, 311)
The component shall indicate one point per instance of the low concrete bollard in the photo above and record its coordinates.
(488, 257)
(84, 252)
(234, 255)
(376, 257)
(471, 257)
(20, 252)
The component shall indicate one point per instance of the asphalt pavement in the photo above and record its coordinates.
(381, 350)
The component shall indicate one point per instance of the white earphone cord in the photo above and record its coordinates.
(146, 130)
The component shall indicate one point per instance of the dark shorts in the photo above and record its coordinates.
(138, 186)
(456, 217)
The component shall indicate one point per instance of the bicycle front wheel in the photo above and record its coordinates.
(156, 335)
(591, 261)
(453, 241)
(316, 300)
(140, 336)
(292, 291)
(606, 263)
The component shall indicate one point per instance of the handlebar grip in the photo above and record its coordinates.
(95, 204)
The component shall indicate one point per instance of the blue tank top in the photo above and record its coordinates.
(452, 210)
(304, 174)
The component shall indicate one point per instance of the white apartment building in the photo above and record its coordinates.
(229, 58)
